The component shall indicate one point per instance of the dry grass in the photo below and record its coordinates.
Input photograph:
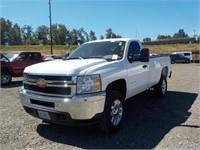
(57, 49)
(60, 49)
(169, 48)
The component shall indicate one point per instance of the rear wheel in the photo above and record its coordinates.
(172, 61)
(187, 61)
(161, 88)
(5, 78)
(113, 112)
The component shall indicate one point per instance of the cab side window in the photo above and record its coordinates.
(21, 57)
(134, 51)
(35, 56)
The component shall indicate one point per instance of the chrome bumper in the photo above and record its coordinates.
(79, 107)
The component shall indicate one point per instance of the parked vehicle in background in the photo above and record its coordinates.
(14, 63)
(177, 58)
(51, 57)
(196, 56)
(93, 83)
(153, 54)
(185, 54)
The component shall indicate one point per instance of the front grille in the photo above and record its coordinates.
(45, 77)
(49, 90)
(49, 85)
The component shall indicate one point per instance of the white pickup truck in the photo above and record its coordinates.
(91, 85)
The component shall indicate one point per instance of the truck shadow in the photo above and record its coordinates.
(147, 121)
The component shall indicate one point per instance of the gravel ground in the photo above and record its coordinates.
(150, 123)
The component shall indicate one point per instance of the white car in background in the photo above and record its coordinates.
(185, 54)
(51, 57)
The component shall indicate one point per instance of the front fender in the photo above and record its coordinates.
(109, 72)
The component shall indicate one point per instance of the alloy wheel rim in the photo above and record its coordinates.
(116, 112)
(4, 79)
(164, 86)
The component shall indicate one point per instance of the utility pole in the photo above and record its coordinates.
(194, 32)
(51, 43)
(136, 33)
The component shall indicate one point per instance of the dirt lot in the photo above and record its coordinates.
(169, 123)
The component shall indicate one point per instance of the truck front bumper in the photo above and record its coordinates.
(77, 108)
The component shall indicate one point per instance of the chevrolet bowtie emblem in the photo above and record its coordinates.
(41, 83)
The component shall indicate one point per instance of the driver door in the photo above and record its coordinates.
(137, 71)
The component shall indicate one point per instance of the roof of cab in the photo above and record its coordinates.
(113, 39)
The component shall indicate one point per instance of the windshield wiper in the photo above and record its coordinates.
(77, 57)
(95, 57)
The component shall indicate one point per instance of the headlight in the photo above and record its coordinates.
(88, 84)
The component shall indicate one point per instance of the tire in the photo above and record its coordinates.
(160, 89)
(172, 61)
(187, 61)
(5, 78)
(113, 112)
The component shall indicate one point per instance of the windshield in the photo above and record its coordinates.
(109, 50)
(11, 56)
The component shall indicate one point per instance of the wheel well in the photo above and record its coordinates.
(5, 70)
(118, 85)
(164, 72)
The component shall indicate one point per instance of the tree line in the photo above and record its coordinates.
(180, 34)
(13, 34)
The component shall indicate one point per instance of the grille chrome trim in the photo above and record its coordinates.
(50, 78)
(47, 77)
(63, 88)
(49, 84)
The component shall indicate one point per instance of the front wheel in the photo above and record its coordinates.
(161, 88)
(5, 78)
(187, 61)
(113, 112)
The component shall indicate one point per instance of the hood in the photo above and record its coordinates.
(64, 67)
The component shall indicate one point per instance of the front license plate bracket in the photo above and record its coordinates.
(43, 115)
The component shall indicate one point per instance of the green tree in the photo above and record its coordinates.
(110, 34)
(92, 36)
(181, 34)
(101, 37)
(2, 25)
(42, 34)
(16, 35)
(82, 36)
(27, 32)
(63, 33)
(55, 38)
(6, 26)
(163, 37)
(147, 39)
(35, 40)
(74, 37)
(118, 36)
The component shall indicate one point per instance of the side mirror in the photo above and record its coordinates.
(144, 55)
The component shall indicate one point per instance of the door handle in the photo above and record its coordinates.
(144, 66)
